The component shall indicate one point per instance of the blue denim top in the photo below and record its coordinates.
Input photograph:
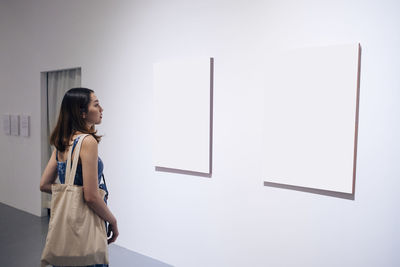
(62, 167)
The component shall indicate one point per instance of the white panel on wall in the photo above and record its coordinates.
(6, 124)
(310, 118)
(15, 125)
(182, 114)
(24, 125)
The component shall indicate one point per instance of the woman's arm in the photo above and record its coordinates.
(49, 175)
(89, 159)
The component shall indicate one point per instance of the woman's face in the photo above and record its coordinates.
(95, 111)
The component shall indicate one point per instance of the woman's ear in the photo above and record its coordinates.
(84, 115)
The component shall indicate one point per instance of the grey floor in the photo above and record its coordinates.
(22, 238)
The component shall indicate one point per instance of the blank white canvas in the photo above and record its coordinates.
(182, 115)
(310, 118)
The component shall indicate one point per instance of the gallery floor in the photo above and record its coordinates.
(22, 238)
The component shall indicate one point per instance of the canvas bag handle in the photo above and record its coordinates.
(70, 173)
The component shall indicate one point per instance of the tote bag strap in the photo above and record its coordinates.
(70, 173)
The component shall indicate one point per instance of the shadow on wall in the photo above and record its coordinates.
(201, 174)
(311, 190)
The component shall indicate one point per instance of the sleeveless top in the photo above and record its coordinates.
(62, 167)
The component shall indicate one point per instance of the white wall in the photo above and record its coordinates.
(230, 219)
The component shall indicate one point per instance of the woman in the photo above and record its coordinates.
(80, 112)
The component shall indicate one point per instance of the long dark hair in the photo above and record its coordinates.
(74, 104)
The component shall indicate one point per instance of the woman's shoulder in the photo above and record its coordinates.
(89, 144)
(89, 150)
(89, 140)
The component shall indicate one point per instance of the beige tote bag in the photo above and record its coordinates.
(77, 236)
